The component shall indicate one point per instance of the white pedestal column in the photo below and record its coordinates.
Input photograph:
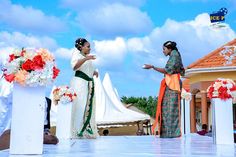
(63, 120)
(185, 116)
(27, 120)
(222, 121)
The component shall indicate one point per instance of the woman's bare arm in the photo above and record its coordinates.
(81, 61)
(149, 66)
(161, 70)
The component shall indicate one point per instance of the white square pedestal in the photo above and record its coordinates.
(27, 120)
(63, 120)
(185, 117)
(222, 121)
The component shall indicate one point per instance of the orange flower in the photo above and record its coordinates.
(20, 76)
(45, 55)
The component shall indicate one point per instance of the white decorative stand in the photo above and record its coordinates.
(27, 120)
(185, 116)
(222, 121)
(63, 120)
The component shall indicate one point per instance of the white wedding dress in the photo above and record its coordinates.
(79, 114)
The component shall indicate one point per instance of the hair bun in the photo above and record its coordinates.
(173, 44)
(79, 43)
(170, 45)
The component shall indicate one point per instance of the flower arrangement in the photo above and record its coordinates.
(32, 67)
(222, 88)
(64, 94)
(185, 94)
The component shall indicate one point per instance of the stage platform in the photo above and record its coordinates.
(135, 146)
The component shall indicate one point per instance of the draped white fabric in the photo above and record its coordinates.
(5, 105)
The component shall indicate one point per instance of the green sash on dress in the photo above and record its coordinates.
(89, 104)
(83, 75)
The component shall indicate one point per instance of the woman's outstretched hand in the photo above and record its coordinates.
(88, 57)
(147, 66)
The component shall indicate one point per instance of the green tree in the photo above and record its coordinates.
(147, 105)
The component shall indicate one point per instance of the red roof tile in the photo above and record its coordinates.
(214, 59)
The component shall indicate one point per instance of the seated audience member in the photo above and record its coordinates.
(203, 131)
(48, 137)
(5, 140)
(140, 132)
(105, 132)
(209, 132)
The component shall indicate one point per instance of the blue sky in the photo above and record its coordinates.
(124, 34)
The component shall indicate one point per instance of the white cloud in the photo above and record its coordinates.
(4, 53)
(110, 52)
(28, 18)
(138, 45)
(91, 4)
(63, 53)
(17, 39)
(194, 38)
(10, 41)
(115, 20)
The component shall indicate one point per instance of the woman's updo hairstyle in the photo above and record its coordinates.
(79, 43)
(170, 45)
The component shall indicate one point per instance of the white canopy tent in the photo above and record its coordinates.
(110, 109)
(116, 92)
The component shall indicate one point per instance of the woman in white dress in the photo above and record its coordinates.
(83, 123)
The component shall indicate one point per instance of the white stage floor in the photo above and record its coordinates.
(135, 146)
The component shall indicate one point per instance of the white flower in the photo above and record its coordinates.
(186, 95)
(233, 94)
(65, 100)
(64, 94)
